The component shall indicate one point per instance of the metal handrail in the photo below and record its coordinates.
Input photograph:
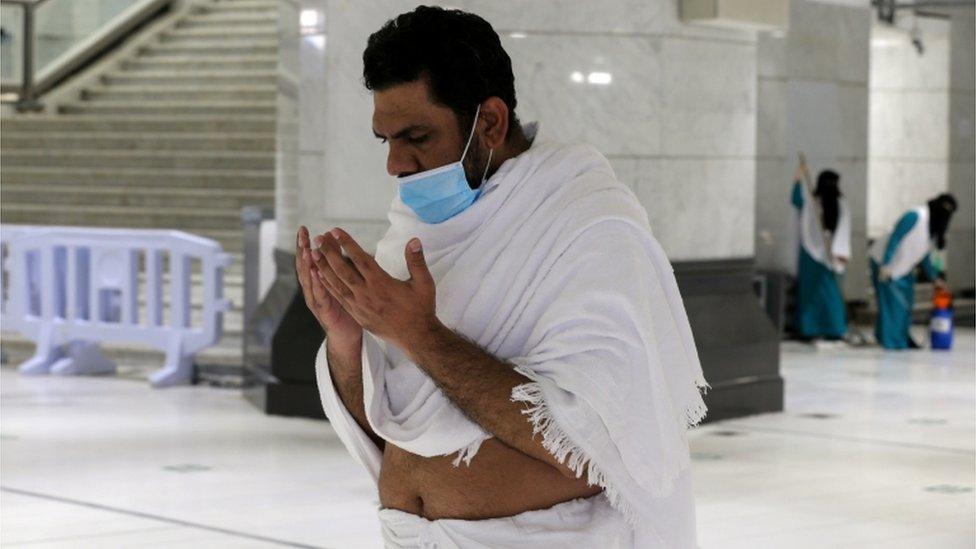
(31, 86)
(26, 101)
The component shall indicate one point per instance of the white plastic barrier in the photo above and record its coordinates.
(70, 288)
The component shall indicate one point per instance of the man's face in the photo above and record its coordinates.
(421, 134)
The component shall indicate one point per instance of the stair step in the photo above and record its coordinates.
(170, 107)
(134, 196)
(263, 125)
(238, 6)
(186, 63)
(228, 47)
(180, 93)
(192, 220)
(220, 34)
(230, 20)
(210, 179)
(127, 141)
(146, 159)
(183, 78)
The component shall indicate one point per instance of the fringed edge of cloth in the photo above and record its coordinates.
(558, 443)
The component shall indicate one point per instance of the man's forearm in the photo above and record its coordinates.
(481, 386)
(346, 370)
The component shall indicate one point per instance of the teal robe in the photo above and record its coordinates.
(897, 296)
(819, 305)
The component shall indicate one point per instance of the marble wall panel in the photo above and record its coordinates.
(828, 42)
(961, 124)
(552, 83)
(775, 221)
(909, 124)
(312, 91)
(570, 16)
(895, 186)
(772, 118)
(962, 54)
(909, 121)
(709, 107)
(701, 209)
(771, 55)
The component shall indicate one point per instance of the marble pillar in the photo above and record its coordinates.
(812, 97)
(962, 176)
(909, 118)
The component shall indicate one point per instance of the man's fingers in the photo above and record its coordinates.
(339, 296)
(342, 267)
(362, 260)
(318, 290)
(332, 281)
(302, 271)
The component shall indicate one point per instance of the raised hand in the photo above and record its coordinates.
(399, 311)
(341, 328)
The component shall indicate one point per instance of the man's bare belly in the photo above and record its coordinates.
(500, 482)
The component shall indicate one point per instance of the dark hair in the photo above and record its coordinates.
(458, 53)
(941, 209)
(829, 193)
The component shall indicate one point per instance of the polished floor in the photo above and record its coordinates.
(875, 449)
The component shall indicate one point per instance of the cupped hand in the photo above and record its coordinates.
(339, 325)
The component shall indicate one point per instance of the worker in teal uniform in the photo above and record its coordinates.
(824, 222)
(894, 259)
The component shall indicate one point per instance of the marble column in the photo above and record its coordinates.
(909, 119)
(813, 97)
(962, 176)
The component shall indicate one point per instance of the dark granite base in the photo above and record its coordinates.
(737, 344)
(281, 340)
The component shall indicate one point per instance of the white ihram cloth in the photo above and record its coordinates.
(912, 249)
(811, 232)
(581, 523)
(554, 270)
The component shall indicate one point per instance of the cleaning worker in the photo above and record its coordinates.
(894, 259)
(825, 247)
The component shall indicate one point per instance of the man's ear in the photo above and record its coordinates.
(494, 117)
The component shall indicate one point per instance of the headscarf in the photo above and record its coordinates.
(941, 209)
(828, 191)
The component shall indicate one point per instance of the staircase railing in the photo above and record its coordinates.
(42, 64)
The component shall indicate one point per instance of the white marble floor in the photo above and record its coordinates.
(875, 449)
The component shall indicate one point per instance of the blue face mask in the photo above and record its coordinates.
(441, 193)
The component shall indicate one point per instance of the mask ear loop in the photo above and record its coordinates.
(471, 135)
(488, 165)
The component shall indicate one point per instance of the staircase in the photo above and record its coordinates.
(176, 130)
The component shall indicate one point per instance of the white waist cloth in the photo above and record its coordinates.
(580, 523)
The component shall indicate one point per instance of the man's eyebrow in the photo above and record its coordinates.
(403, 132)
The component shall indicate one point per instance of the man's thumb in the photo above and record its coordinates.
(416, 263)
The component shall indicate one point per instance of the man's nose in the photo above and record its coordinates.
(399, 162)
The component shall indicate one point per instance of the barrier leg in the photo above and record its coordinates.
(178, 369)
(47, 353)
(83, 358)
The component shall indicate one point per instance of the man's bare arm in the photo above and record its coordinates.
(481, 386)
(346, 370)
